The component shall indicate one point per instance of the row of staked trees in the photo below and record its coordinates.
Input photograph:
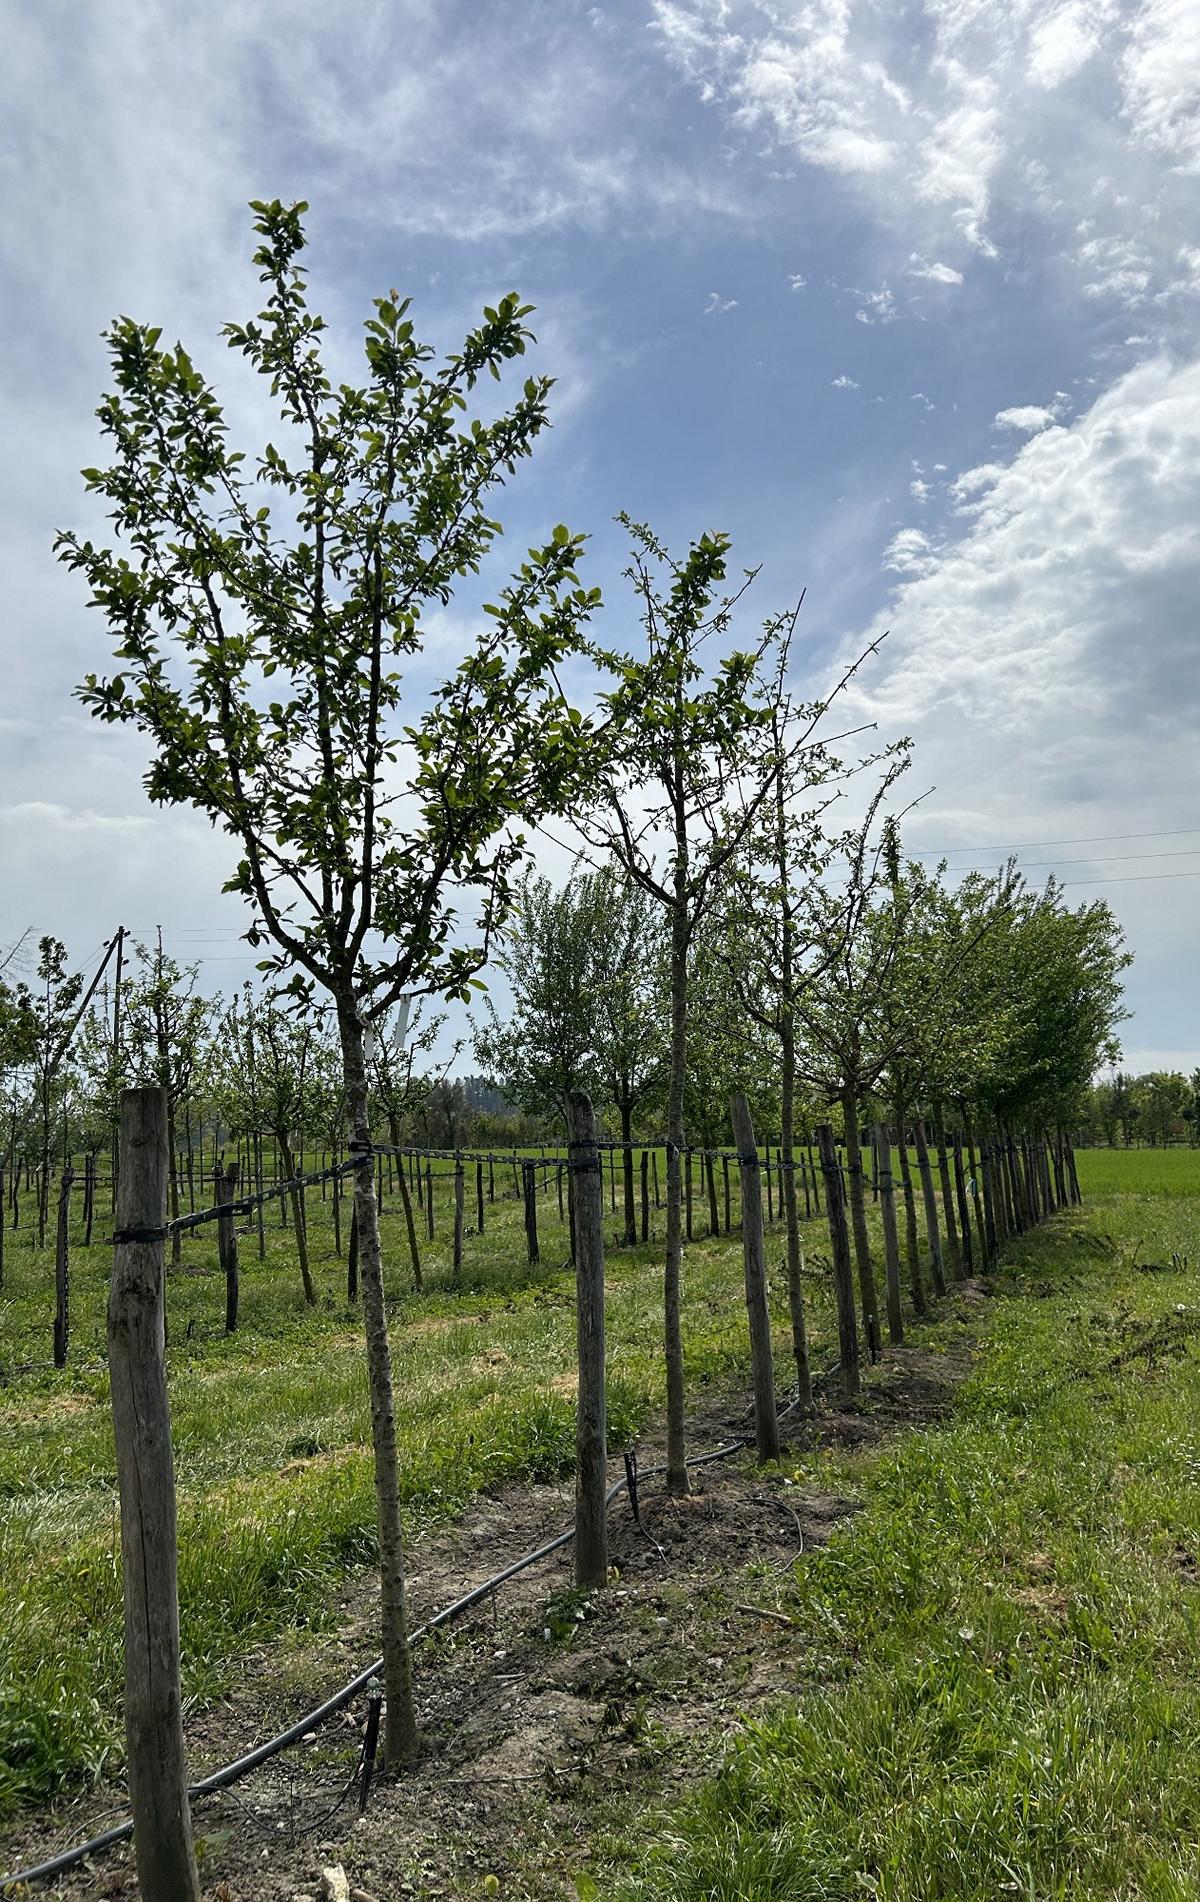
(268, 623)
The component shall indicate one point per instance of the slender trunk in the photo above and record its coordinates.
(710, 1177)
(930, 1199)
(980, 1223)
(912, 1243)
(628, 1172)
(839, 1243)
(410, 1223)
(858, 1222)
(964, 1218)
(794, 1251)
(754, 1259)
(953, 1251)
(891, 1243)
(402, 1740)
(677, 1473)
(289, 1170)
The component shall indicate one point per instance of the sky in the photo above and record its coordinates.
(904, 298)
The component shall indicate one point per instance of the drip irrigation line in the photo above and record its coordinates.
(68, 1859)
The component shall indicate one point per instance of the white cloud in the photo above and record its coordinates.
(843, 382)
(1024, 419)
(933, 272)
(797, 282)
(1160, 74)
(878, 307)
(716, 306)
(909, 553)
(959, 121)
(1022, 646)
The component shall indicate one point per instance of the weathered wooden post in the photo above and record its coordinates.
(529, 1171)
(654, 1167)
(770, 1192)
(479, 1195)
(62, 1269)
(930, 1200)
(591, 1445)
(885, 1188)
(460, 1198)
(912, 1245)
(224, 1182)
(710, 1177)
(429, 1199)
(352, 1257)
(754, 1263)
(645, 1195)
(687, 1191)
(410, 1224)
(162, 1827)
(839, 1244)
(725, 1188)
(964, 1213)
(953, 1254)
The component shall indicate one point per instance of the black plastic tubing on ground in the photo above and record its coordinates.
(221, 1779)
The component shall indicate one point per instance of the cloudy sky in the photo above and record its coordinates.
(905, 297)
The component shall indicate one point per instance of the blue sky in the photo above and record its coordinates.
(905, 298)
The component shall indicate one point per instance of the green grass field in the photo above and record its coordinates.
(276, 1503)
(1004, 1690)
(272, 1437)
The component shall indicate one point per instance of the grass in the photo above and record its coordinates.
(272, 1439)
(1003, 1689)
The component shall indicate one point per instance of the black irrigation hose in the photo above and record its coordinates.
(233, 1772)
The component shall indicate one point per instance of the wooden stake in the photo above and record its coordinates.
(224, 1182)
(882, 1179)
(839, 1242)
(62, 1279)
(754, 1262)
(157, 1772)
(591, 1451)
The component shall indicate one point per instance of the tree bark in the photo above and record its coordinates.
(839, 1242)
(224, 1184)
(677, 1474)
(858, 1220)
(754, 1261)
(62, 1269)
(912, 1244)
(930, 1199)
(157, 1770)
(627, 1170)
(298, 1227)
(791, 1213)
(891, 1243)
(953, 1250)
(591, 1444)
(403, 1744)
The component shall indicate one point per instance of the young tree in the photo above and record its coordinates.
(164, 1043)
(55, 1013)
(267, 1068)
(264, 654)
(683, 790)
(546, 1046)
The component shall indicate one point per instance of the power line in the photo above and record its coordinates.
(1037, 845)
(1109, 858)
(1132, 878)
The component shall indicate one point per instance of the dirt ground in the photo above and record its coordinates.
(543, 1710)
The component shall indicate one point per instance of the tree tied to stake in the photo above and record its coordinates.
(263, 614)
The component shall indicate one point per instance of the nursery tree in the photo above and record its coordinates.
(682, 791)
(165, 1032)
(264, 650)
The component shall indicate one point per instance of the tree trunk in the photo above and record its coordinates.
(858, 1221)
(403, 1745)
(953, 1250)
(930, 1199)
(628, 1172)
(157, 1770)
(591, 1447)
(289, 1170)
(839, 1243)
(891, 1243)
(224, 1184)
(912, 1244)
(794, 1252)
(964, 1217)
(754, 1260)
(677, 1473)
(62, 1282)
